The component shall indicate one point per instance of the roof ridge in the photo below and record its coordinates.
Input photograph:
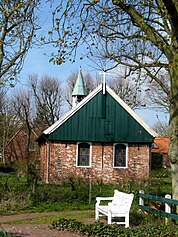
(66, 116)
(72, 111)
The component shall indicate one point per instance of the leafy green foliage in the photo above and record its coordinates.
(72, 194)
(156, 161)
(5, 234)
(6, 168)
(104, 230)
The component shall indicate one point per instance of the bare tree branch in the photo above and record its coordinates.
(18, 24)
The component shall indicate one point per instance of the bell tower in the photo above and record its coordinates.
(79, 91)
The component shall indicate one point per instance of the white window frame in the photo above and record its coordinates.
(82, 166)
(121, 167)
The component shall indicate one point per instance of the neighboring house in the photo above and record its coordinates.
(17, 146)
(161, 147)
(100, 138)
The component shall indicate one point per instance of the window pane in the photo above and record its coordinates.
(83, 154)
(120, 155)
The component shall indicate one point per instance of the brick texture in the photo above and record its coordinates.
(58, 161)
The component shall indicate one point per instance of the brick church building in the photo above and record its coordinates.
(100, 136)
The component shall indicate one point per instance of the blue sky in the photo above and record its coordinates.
(38, 63)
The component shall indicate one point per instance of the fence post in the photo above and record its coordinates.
(167, 207)
(141, 200)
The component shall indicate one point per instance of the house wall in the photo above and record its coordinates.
(62, 163)
(16, 149)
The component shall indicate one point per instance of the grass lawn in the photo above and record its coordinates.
(72, 200)
(48, 218)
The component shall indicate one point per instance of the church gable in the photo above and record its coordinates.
(102, 118)
(102, 136)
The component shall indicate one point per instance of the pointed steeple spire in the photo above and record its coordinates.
(79, 91)
(79, 88)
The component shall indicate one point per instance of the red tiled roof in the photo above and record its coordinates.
(162, 144)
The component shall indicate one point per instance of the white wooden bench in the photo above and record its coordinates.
(117, 209)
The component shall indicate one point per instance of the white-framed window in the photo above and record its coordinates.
(154, 146)
(84, 154)
(120, 155)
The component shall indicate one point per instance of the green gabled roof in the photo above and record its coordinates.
(79, 88)
(101, 118)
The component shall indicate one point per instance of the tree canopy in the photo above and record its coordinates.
(18, 23)
(136, 34)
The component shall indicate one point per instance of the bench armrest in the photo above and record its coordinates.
(99, 199)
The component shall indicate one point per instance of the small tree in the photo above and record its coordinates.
(157, 98)
(127, 87)
(8, 121)
(23, 106)
(47, 92)
(161, 128)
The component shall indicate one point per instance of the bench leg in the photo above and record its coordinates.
(109, 217)
(96, 214)
(127, 221)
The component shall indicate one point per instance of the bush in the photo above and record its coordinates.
(156, 161)
(104, 230)
(6, 168)
(5, 234)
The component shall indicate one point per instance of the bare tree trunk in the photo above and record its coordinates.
(174, 168)
(3, 150)
(4, 142)
(173, 151)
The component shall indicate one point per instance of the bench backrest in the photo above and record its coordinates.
(122, 201)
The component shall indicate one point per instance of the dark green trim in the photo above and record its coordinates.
(159, 212)
(103, 106)
(157, 198)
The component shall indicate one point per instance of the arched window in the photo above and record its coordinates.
(120, 155)
(83, 154)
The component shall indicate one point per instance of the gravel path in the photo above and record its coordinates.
(32, 230)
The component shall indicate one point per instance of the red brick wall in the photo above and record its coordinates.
(62, 163)
(17, 146)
